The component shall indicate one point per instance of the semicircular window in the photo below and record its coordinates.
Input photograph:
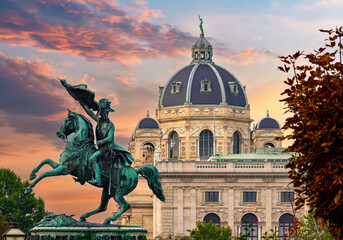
(236, 143)
(212, 217)
(249, 225)
(173, 144)
(269, 145)
(148, 152)
(285, 222)
(206, 143)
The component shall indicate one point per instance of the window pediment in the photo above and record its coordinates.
(233, 87)
(205, 86)
(175, 88)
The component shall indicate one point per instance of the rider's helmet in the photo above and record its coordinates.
(105, 105)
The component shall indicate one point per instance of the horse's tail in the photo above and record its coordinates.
(150, 173)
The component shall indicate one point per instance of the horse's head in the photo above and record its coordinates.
(69, 125)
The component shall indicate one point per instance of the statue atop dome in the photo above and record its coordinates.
(201, 29)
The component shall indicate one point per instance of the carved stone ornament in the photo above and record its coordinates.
(219, 131)
(157, 155)
(230, 131)
(244, 131)
(180, 130)
(268, 134)
(194, 130)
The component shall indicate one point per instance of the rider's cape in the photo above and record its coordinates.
(125, 159)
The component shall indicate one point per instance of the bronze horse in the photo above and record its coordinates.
(74, 160)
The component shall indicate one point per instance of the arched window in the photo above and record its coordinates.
(249, 224)
(173, 144)
(269, 145)
(236, 143)
(148, 152)
(206, 143)
(212, 217)
(285, 222)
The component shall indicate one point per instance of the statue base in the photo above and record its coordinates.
(63, 227)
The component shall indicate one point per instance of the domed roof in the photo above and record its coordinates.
(201, 42)
(267, 123)
(203, 84)
(148, 122)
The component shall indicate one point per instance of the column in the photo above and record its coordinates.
(193, 208)
(180, 211)
(231, 209)
(157, 208)
(269, 205)
(198, 150)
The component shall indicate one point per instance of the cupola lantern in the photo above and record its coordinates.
(202, 50)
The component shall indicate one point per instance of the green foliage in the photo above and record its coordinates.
(271, 235)
(209, 231)
(4, 225)
(314, 98)
(25, 209)
(311, 228)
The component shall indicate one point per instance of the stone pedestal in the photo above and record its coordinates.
(63, 227)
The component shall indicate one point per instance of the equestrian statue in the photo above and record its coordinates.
(107, 166)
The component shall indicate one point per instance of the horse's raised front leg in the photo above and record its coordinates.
(44, 162)
(61, 170)
(103, 205)
(124, 206)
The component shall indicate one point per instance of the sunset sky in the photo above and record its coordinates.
(124, 50)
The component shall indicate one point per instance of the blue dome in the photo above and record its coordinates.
(148, 123)
(267, 123)
(203, 84)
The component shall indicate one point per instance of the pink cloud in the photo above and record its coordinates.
(83, 80)
(93, 29)
(245, 57)
(124, 79)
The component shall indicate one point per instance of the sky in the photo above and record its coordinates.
(125, 50)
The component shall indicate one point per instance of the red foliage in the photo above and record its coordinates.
(314, 97)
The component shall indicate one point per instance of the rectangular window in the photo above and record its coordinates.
(249, 196)
(211, 196)
(202, 55)
(287, 196)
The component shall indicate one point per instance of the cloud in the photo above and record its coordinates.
(31, 102)
(124, 79)
(89, 28)
(244, 57)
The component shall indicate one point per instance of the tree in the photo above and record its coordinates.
(25, 209)
(209, 231)
(311, 228)
(314, 98)
(4, 225)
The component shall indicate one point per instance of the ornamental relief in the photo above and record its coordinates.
(267, 134)
(237, 111)
(194, 130)
(148, 134)
(205, 110)
(244, 132)
(174, 111)
(219, 131)
(181, 131)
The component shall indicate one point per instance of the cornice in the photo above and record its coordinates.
(223, 175)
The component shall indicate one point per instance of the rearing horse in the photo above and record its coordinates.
(74, 160)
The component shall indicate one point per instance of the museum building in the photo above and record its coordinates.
(214, 166)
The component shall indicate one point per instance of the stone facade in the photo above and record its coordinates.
(212, 165)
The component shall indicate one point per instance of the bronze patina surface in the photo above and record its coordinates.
(105, 165)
